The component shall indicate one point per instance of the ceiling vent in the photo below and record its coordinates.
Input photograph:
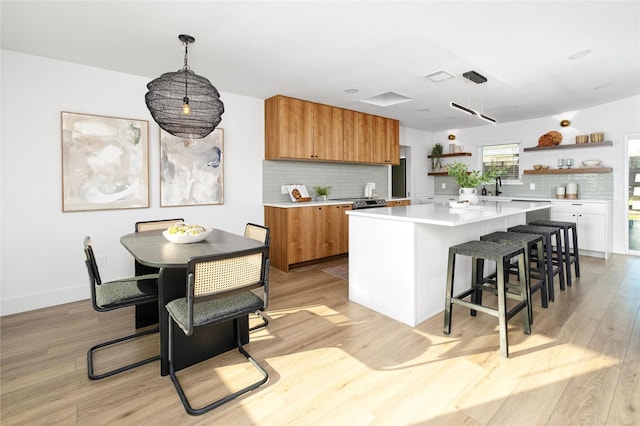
(475, 77)
(387, 99)
(439, 76)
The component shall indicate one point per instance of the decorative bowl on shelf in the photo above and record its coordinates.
(591, 163)
(186, 234)
(544, 167)
(537, 166)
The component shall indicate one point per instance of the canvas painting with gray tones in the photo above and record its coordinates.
(105, 162)
(191, 170)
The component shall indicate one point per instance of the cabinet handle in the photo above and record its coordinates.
(576, 204)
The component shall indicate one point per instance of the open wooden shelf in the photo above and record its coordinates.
(571, 145)
(438, 174)
(569, 171)
(454, 154)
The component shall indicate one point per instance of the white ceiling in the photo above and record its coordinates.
(314, 50)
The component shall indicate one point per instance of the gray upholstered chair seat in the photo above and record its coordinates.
(110, 295)
(128, 290)
(215, 310)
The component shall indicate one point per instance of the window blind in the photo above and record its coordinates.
(505, 156)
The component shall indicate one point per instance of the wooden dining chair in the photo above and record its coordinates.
(110, 295)
(262, 234)
(219, 290)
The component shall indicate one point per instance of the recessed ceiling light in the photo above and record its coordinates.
(439, 75)
(387, 99)
(351, 91)
(580, 54)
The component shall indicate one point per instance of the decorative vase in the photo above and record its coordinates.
(468, 194)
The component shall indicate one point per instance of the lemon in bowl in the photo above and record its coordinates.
(185, 234)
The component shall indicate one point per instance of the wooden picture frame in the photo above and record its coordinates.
(105, 162)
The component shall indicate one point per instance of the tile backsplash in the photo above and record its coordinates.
(346, 180)
(590, 185)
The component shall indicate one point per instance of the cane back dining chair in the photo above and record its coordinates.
(262, 234)
(152, 225)
(110, 295)
(147, 313)
(219, 290)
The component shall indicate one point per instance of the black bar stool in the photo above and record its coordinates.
(528, 242)
(571, 254)
(548, 233)
(501, 254)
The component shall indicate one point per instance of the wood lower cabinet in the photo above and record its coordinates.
(302, 234)
(396, 203)
(343, 243)
(302, 130)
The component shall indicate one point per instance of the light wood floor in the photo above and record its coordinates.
(332, 362)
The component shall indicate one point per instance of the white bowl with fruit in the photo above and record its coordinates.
(184, 233)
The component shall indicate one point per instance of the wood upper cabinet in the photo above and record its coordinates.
(288, 128)
(385, 146)
(348, 135)
(364, 124)
(301, 130)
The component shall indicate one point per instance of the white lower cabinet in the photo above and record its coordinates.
(593, 221)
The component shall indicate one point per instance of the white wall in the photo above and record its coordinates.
(41, 257)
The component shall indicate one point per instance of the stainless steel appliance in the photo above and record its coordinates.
(367, 203)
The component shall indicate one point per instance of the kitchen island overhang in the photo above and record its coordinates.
(398, 256)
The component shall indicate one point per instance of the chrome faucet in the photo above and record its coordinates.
(498, 181)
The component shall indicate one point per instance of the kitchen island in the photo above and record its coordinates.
(398, 256)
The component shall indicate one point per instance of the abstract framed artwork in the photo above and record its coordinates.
(105, 162)
(191, 170)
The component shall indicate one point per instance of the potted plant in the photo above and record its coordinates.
(436, 160)
(322, 192)
(469, 180)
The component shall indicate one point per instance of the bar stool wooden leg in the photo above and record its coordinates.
(451, 266)
(502, 307)
(559, 255)
(567, 255)
(576, 254)
(477, 272)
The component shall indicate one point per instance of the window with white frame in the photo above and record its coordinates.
(503, 156)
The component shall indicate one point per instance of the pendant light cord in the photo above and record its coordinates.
(186, 67)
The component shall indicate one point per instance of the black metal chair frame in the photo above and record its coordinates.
(95, 280)
(147, 313)
(231, 314)
(267, 242)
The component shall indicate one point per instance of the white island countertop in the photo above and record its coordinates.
(398, 256)
(443, 215)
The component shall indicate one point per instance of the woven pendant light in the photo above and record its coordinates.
(184, 103)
